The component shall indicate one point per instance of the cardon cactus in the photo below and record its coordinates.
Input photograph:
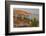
(35, 22)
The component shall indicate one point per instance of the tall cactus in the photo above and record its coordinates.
(35, 22)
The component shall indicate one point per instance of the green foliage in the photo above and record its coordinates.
(32, 22)
(35, 22)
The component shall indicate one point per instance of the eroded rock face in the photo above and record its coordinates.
(20, 22)
(22, 12)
